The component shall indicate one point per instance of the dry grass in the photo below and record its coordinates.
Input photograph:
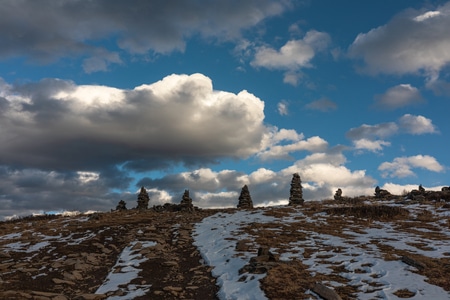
(404, 293)
(372, 212)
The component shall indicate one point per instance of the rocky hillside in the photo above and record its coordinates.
(58, 257)
(349, 249)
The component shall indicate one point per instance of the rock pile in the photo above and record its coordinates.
(338, 195)
(245, 200)
(380, 193)
(296, 193)
(264, 261)
(121, 206)
(143, 199)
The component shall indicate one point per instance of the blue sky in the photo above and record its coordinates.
(98, 98)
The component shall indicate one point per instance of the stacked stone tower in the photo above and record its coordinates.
(245, 200)
(186, 202)
(296, 193)
(143, 199)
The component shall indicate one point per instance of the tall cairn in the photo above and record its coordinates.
(143, 199)
(245, 200)
(296, 196)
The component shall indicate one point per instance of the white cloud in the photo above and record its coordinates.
(402, 166)
(416, 124)
(427, 15)
(372, 137)
(323, 104)
(86, 177)
(413, 41)
(398, 96)
(283, 108)
(276, 151)
(293, 56)
(321, 174)
(370, 145)
(292, 77)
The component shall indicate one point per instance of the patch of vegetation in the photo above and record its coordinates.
(404, 293)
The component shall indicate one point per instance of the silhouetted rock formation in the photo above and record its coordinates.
(121, 206)
(186, 202)
(143, 199)
(296, 193)
(245, 200)
(338, 195)
(380, 193)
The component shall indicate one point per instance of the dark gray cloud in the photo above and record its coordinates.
(46, 30)
(398, 96)
(371, 132)
(323, 104)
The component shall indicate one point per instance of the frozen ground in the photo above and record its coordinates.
(336, 250)
(355, 250)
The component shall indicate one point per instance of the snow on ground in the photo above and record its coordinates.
(217, 235)
(124, 271)
(215, 238)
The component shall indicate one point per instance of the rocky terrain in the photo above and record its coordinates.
(58, 257)
(354, 248)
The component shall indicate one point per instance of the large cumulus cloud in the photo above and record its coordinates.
(180, 118)
(69, 146)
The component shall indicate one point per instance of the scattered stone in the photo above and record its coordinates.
(143, 199)
(121, 206)
(325, 292)
(245, 200)
(260, 264)
(243, 245)
(61, 281)
(409, 261)
(296, 193)
(170, 264)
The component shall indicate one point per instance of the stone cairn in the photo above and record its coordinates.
(338, 195)
(380, 193)
(121, 206)
(143, 199)
(296, 196)
(245, 200)
(186, 202)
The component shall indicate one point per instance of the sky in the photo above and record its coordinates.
(99, 98)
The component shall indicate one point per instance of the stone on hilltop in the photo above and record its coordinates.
(186, 202)
(245, 200)
(121, 206)
(296, 193)
(143, 199)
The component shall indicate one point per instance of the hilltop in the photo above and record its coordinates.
(359, 248)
